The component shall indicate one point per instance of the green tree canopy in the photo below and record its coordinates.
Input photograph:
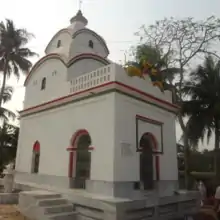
(185, 42)
(202, 106)
(14, 54)
(8, 144)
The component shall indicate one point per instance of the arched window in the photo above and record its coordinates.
(91, 44)
(35, 157)
(43, 83)
(58, 43)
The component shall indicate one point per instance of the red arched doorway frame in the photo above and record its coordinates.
(36, 146)
(35, 157)
(73, 147)
(155, 149)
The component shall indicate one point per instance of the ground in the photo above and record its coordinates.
(10, 212)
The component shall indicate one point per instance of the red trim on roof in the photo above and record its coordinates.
(69, 63)
(87, 56)
(103, 85)
(43, 59)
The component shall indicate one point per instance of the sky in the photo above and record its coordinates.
(115, 20)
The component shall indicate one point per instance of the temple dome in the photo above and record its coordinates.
(74, 40)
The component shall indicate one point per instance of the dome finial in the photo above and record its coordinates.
(80, 5)
(79, 17)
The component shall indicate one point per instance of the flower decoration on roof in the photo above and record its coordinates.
(143, 69)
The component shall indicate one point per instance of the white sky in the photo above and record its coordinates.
(114, 20)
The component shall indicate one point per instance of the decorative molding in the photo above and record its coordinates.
(153, 122)
(98, 90)
(87, 56)
(67, 63)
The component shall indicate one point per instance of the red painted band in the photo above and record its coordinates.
(100, 86)
(75, 148)
(69, 63)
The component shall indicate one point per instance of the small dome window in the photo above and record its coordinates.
(58, 43)
(91, 44)
(43, 83)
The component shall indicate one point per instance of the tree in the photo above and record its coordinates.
(150, 61)
(203, 102)
(185, 41)
(8, 133)
(6, 114)
(8, 144)
(13, 53)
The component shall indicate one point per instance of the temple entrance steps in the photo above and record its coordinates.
(44, 205)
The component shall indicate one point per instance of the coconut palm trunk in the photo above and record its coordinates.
(3, 82)
(186, 162)
(216, 155)
(1, 102)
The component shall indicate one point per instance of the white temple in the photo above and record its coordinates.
(88, 126)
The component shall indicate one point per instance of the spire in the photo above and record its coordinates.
(80, 4)
(79, 17)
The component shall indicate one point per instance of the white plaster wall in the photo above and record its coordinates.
(54, 128)
(83, 66)
(80, 44)
(127, 167)
(56, 85)
(65, 38)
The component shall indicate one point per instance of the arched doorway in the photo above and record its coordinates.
(35, 157)
(147, 168)
(83, 157)
(80, 158)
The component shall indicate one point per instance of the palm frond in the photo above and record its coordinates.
(7, 95)
(13, 50)
(5, 114)
(202, 101)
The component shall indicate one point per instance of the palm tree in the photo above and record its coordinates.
(151, 61)
(202, 106)
(6, 114)
(14, 55)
